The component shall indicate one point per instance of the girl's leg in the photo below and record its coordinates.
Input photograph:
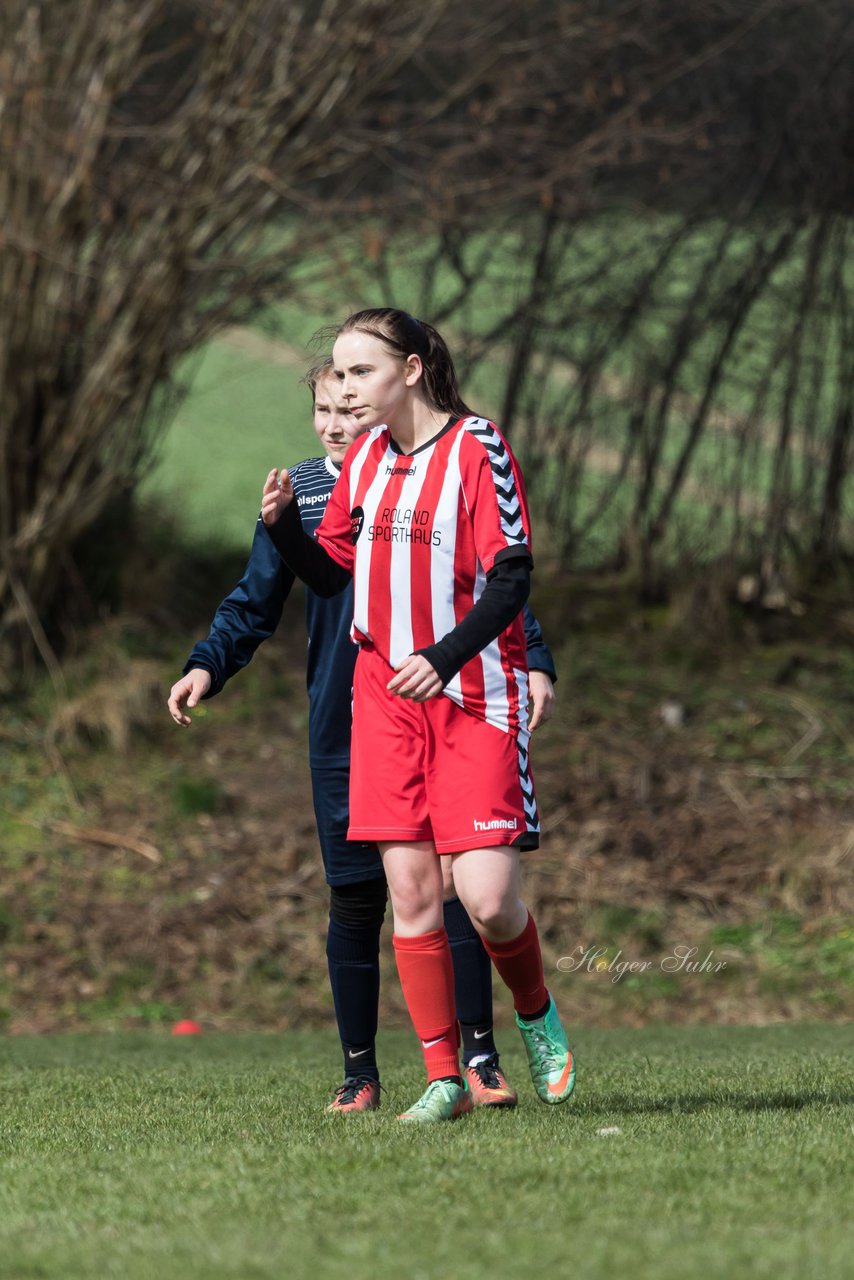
(414, 885)
(356, 909)
(472, 972)
(352, 954)
(487, 881)
(482, 1071)
(422, 952)
(388, 804)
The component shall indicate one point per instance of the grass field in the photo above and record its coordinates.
(137, 1156)
(245, 413)
(241, 416)
(245, 410)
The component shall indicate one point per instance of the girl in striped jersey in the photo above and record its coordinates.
(430, 518)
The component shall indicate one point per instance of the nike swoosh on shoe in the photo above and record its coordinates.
(555, 1089)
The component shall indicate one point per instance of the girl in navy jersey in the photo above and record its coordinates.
(430, 519)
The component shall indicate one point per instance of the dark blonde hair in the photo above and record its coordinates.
(406, 336)
(314, 373)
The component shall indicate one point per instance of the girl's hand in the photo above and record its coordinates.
(541, 695)
(189, 690)
(415, 679)
(278, 493)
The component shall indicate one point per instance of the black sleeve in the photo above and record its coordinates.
(304, 556)
(508, 585)
(539, 654)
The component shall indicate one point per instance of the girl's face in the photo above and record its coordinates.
(374, 383)
(333, 421)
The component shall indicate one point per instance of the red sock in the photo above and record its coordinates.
(427, 978)
(520, 965)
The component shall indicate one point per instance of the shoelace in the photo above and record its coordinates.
(487, 1073)
(351, 1088)
(546, 1054)
(423, 1102)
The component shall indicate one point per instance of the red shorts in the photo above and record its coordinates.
(431, 771)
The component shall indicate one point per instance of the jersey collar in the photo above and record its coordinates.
(395, 447)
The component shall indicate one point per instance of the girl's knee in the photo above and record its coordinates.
(417, 904)
(497, 917)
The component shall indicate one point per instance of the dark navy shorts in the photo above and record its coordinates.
(344, 861)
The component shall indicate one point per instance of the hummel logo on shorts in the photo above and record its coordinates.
(497, 824)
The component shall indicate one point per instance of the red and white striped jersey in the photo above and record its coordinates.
(420, 532)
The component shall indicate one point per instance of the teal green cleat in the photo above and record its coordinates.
(549, 1056)
(441, 1100)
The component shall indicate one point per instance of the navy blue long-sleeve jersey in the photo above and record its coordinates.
(252, 611)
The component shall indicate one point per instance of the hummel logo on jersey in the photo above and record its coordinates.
(357, 519)
(400, 471)
(497, 824)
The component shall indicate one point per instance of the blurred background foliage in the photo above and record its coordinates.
(633, 222)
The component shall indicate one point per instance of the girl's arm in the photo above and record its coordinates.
(246, 617)
(495, 499)
(508, 584)
(303, 555)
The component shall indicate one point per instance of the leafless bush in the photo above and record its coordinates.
(155, 157)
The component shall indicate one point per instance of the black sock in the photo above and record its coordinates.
(472, 982)
(478, 1042)
(541, 1013)
(352, 952)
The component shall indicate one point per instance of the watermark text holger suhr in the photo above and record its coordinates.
(681, 959)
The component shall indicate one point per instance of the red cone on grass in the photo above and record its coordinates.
(187, 1027)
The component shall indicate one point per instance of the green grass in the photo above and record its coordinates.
(245, 413)
(241, 417)
(602, 262)
(138, 1156)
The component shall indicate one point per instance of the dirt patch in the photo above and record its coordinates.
(171, 872)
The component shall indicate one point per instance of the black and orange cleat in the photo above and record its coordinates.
(357, 1093)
